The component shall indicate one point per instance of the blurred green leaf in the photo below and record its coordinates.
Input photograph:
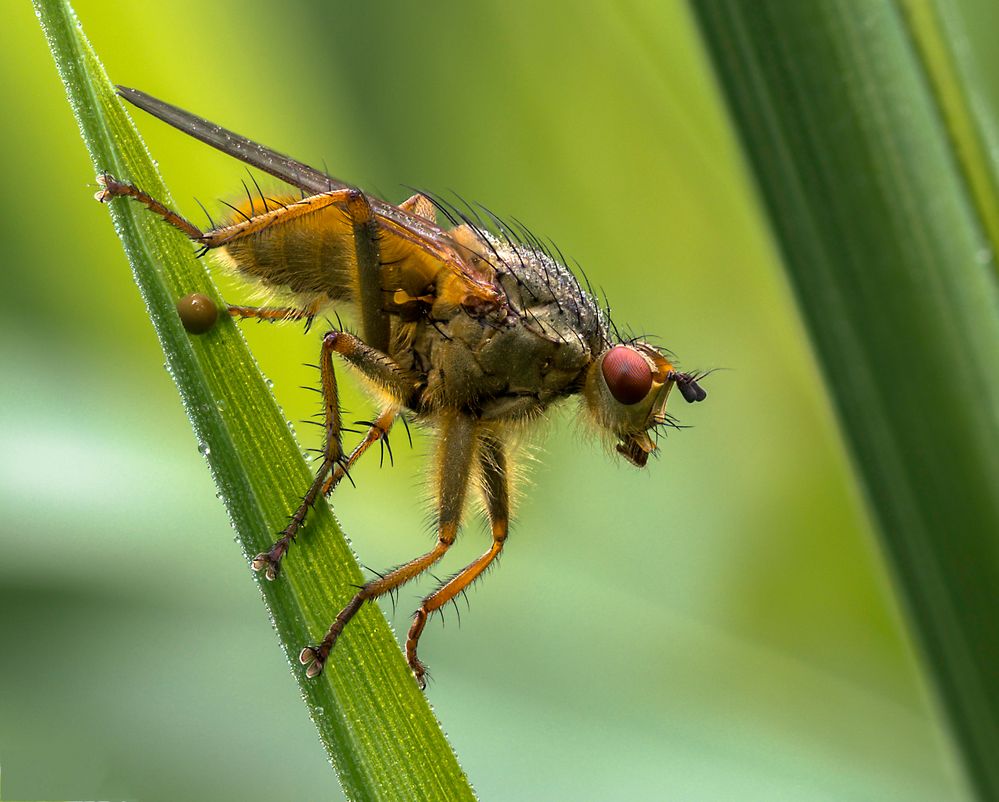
(883, 212)
(376, 726)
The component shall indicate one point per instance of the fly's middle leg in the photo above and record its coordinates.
(270, 561)
(273, 314)
(378, 431)
(453, 467)
(335, 463)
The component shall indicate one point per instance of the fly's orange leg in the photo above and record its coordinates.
(453, 468)
(111, 187)
(374, 321)
(378, 431)
(273, 313)
(495, 491)
(373, 364)
(270, 561)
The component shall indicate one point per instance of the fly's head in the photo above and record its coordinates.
(626, 391)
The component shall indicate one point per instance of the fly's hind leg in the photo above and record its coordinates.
(376, 366)
(111, 187)
(453, 467)
(259, 217)
(495, 491)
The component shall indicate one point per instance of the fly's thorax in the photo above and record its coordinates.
(537, 287)
(626, 390)
(512, 359)
(494, 365)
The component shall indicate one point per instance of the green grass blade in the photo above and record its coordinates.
(376, 726)
(886, 233)
(935, 28)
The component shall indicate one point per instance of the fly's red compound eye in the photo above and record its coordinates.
(628, 375)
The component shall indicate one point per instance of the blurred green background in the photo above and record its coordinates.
(719, 626)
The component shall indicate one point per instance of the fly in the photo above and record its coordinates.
(475, 330)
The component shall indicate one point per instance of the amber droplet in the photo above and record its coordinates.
(628, 375)
(197, 312)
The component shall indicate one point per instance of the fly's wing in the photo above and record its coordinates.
(414, 250)
(283, 167)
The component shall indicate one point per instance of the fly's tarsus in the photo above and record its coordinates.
(111, 187)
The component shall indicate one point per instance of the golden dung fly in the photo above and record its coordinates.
(473, 330)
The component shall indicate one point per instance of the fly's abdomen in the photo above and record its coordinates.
(305, 247)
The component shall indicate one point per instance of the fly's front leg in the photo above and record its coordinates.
(453, 468)
(496, 493)
(376, 366)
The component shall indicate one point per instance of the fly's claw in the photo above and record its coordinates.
(111, 187)
(420, 673)
(313, 658)
(262, 562)
(270, 561)
(103, 195)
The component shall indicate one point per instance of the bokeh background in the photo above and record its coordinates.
(719, 626)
